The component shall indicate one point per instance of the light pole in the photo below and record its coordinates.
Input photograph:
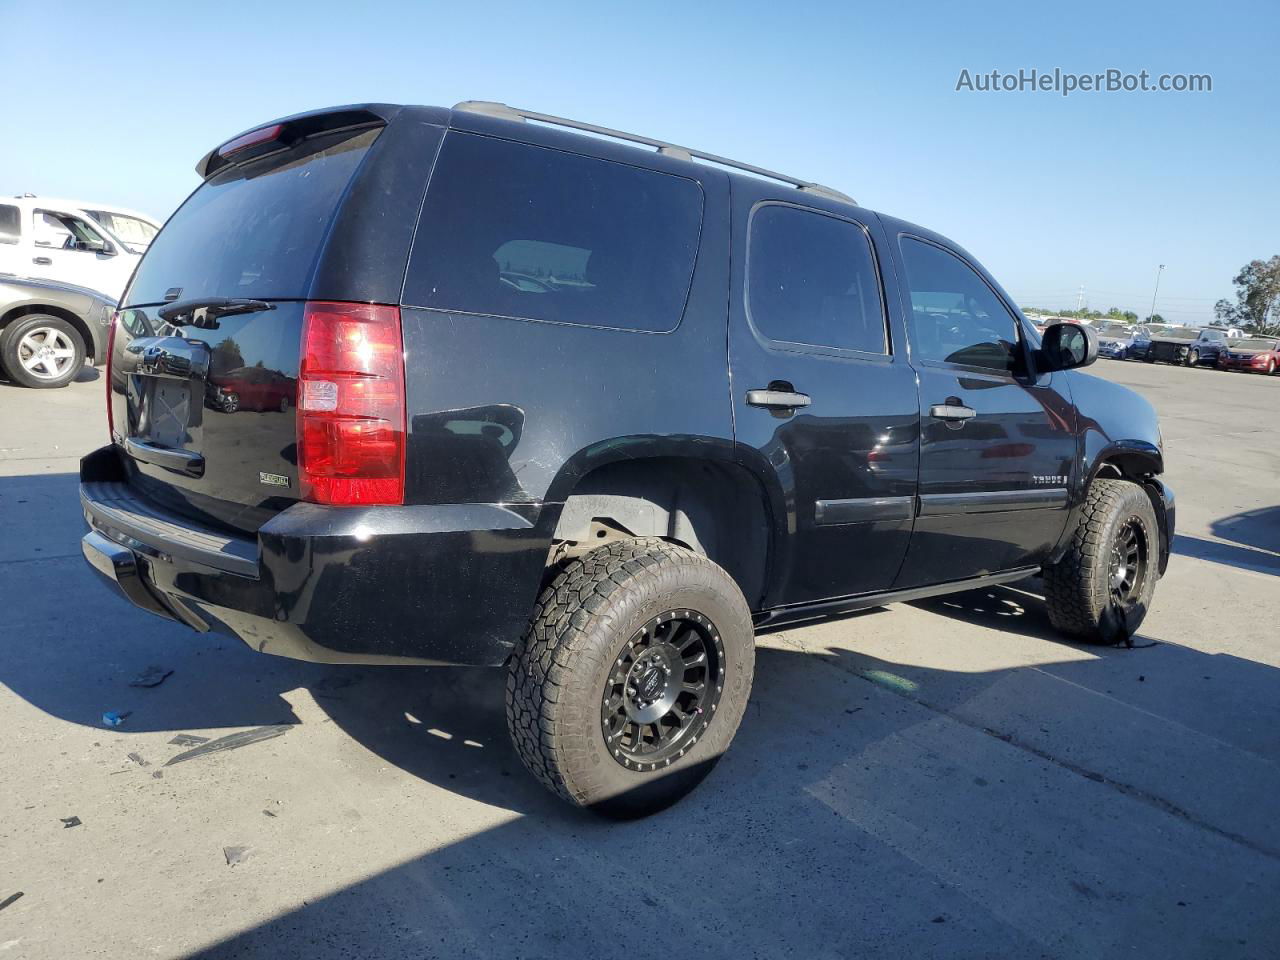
(1151, 316)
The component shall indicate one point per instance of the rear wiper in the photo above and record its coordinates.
(212, 308)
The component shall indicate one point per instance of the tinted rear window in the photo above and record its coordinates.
(514, 230)
(812, 280)
(253, 230)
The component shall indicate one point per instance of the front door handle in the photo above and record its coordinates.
(952, 411)
(42, 261)
(777, 399)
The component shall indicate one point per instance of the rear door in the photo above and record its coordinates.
(997, 445)
(203, 403)
(823, 400)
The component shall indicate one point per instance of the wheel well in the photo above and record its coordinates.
(1138, 469)
(714, 508)
(76, 321)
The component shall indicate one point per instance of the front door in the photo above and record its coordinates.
(69, 249)
(997, 447)
(824, 401)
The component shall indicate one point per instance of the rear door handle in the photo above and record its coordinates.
(42, 261)
(777, 399)
(952, 411)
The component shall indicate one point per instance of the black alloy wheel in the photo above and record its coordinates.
(663, 690)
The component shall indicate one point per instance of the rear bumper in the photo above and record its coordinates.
(438, 584)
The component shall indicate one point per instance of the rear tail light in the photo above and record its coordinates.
(351, 406)
(111, 348)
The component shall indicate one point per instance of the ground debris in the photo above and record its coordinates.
(137, 758)
(235, 855)
(230, 742)
(12, 898)
(113, 719)
(153, 676)
(68, 822)
(188, 740)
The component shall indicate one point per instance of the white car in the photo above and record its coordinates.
(62, 240)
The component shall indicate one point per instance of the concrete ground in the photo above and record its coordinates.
(938, 779)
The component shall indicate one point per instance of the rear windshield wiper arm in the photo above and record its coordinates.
(213, 308)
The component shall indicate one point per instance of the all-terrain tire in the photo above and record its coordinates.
(1078, 588)
(583, 624)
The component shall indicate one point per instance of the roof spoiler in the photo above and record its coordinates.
(287, 132)
(505, 112)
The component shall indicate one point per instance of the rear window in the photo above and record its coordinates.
(254, 230)
(514, 230)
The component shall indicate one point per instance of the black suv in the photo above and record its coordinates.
(534, 398)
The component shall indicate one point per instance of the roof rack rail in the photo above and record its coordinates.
(505, 112)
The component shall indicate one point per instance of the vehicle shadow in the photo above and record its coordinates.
(1254, 528)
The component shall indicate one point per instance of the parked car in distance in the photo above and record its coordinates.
(60, 240)
(48, 330)
(1252, 354)
(1122, 341)
(1207, 347)
(136, 230)
(1171, 344)
(250, 388)
(589, 412)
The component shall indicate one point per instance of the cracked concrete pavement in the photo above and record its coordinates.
(943, 779)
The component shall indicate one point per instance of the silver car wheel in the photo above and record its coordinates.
(46, 353)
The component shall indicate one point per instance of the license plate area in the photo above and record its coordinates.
(169, 413)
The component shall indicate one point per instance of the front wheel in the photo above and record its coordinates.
(632, 678)
(1193, 358)
(1102, 587)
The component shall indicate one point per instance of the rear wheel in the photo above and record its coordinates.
(1271, 365)
(1102, 587)
(42, 351)
(633, 677)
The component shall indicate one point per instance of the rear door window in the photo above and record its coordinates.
(811, 280)
(514, 230)
(253, 230)
(10, 223)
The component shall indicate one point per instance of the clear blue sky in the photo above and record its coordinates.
(116, 102)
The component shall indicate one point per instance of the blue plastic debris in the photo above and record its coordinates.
(113, 719)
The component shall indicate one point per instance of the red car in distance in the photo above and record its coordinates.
(1258, 354)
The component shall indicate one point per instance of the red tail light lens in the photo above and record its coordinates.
(251, 139)
(351, 408)
(111, 348)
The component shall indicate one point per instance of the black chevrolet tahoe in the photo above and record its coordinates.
(521, 391)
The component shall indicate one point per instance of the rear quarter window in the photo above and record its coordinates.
(253, 230)
(514, 230)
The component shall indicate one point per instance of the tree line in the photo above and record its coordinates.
(1257, 303)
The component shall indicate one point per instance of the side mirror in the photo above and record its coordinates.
(1066, 346)
(96, 246)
